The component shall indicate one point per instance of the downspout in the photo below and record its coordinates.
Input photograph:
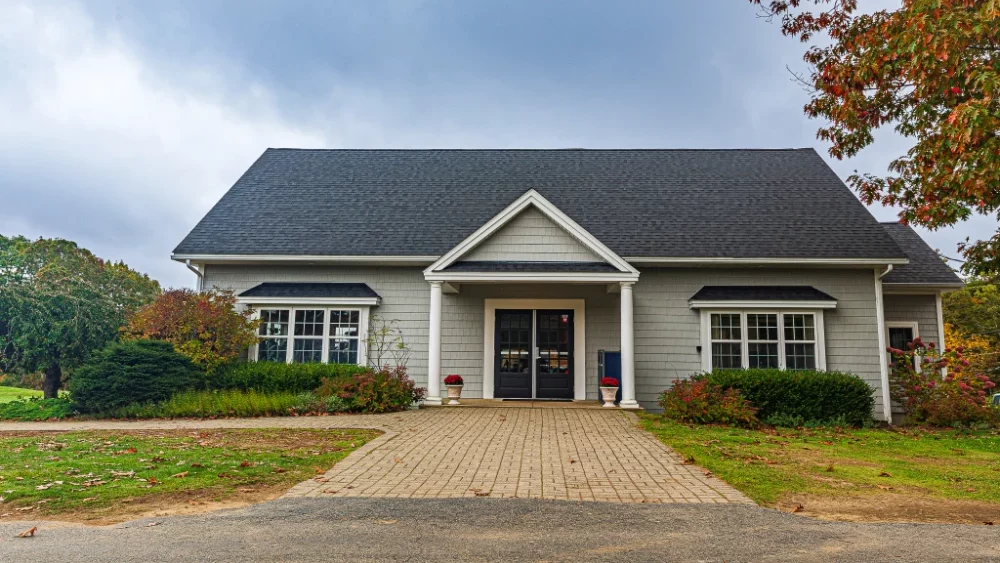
(197, 272)
(882, 358)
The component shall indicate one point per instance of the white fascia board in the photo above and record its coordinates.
(773, 304)
(530, 277)
(333, 301)
(656, 260)
(318, 258)
(531, 197)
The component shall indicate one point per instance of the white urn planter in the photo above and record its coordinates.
(608, 394)
(454, 394)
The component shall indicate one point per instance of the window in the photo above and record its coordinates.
(311, 335)
(900, 334)
(800, 341)
(726, 341)
(762, 340)
(273, 346)
(771, 339)
(345, 328)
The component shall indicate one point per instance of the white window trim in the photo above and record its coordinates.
(912, 325)
(706, 334)
(363, 312)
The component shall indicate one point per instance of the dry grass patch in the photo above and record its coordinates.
(110, 476)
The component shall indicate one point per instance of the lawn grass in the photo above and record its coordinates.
(109, 475)
(8, 394)
(888, 467)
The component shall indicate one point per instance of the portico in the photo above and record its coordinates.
(531, 304)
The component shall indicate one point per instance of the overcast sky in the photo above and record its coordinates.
(122, 123)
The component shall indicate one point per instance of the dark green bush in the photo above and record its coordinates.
(275, 377)
(812, 397)
(385, 390)
(127, 373)
(36, 408)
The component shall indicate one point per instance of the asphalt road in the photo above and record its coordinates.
(496, 530)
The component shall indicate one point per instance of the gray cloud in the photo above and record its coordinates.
(122, 123)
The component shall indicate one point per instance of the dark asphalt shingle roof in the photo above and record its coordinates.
(512, 266)
(308, 289)
(760, 293)
(925, 266)
(640, 203)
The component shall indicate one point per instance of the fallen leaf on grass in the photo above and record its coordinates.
(885, 487)
(319, 470)
(28, 533)
(884, 474)
(180, 475)
(988, 523)
(88, 499)
(829, 468)
(798, 508)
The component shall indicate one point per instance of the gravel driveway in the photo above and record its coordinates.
(482, 529)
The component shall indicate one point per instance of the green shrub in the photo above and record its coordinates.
(213, 404)
(373, 391)
(701, 402)
(36, 408)
(273, 377)
(128, 373)
(812, 397)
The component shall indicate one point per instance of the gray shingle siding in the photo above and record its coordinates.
(531, 237)
(921, 309)
(667, 331)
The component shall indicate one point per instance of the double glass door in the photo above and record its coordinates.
(533, 354)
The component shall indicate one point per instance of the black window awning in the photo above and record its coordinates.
(311, 291)
(762, 296)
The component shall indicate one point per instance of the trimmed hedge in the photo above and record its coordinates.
(276, 377)
(801, 397)
(126, 373)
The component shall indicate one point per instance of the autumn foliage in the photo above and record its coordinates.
(205, 327)
(959, 397)
(931, 70)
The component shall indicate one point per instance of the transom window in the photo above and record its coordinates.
(311, 335)
(757, 339)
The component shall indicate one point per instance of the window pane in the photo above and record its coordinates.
(726, 355)
(900, 337)
(307, 350)
(726, 326)
(762, 326)
(345, 323)
(309, 323)
(272, 349)
(343, 351)
(273, 322)
(763, 355)
(799, 327)
(800, 356)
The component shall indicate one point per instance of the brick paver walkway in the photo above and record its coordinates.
(565, 454)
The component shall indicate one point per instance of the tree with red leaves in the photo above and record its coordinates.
(931, 70)
(205, 326)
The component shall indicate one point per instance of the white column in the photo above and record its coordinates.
(434, 350)
(628, 349)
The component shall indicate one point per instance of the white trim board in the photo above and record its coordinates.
(579, 307)
(530, 198)
(564, 277)
(313, 258)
